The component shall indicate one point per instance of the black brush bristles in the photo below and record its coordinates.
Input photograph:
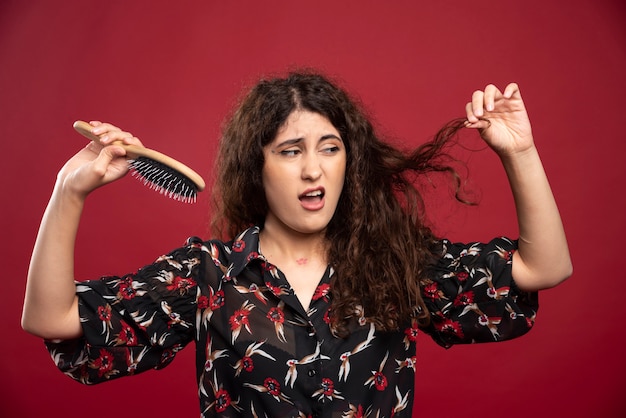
(164, 179)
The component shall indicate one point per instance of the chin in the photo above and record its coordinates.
(310, 228)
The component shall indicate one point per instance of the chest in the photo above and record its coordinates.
(304, 281)
(258, 346)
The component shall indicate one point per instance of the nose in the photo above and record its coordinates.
(311, 167)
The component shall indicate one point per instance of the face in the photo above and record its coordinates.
(303, 174)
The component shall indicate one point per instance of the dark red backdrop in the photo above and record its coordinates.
(170, 73)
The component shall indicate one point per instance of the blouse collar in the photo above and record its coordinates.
(243, 250)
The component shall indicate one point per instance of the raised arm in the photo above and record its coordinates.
(50, 304)
(542, 260)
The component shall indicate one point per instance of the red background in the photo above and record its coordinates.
(170, 71)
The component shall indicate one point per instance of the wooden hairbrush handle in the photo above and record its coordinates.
(135, 151)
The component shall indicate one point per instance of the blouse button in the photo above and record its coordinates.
(312, 372)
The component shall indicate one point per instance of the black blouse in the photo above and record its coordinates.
(259, 353)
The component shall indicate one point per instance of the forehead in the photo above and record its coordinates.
(305, 123)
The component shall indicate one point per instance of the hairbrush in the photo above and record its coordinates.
(158, 171)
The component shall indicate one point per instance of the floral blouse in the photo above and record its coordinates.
(259, 353)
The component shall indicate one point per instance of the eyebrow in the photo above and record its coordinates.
(295, 141)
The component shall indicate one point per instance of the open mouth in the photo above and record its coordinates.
(312, 199)
(313, 195)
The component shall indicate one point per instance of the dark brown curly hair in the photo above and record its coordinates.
(379, 244)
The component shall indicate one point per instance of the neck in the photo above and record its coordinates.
(283, 245)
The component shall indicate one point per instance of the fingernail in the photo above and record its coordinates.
(104, 138)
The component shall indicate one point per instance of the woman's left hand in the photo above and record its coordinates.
(542, 259)
(501, 119)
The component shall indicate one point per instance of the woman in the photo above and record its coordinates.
(305, 191)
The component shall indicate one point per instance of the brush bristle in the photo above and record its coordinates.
(164, 179)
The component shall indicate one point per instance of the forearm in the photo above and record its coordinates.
(50, 304)
(543, 259)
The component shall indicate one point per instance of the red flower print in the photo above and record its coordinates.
(203, 302)
(126, 288)
(272, 386)
(498, 293)
(450, 327)
(222, 401)
(276, 315)
(359, 412)
(506, 255)
(217, 300)
(238, 246)
(183, 284)
(322, 292)
(104, 313)
(252, 256)
(247, 364)
(126, 336)
(327, 390)
(328, 387)
(276, 291)
(431, 291)
(408, 363)
(380, 381)
(104, 363)
(239, 318)
(412, 333)
(462, 276)
(464, 299)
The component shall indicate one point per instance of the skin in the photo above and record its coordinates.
(307, 156)
(542, 260)
(294, 240)
(50, 303)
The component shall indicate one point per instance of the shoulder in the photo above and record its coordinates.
(228, 257)
(185, 260)
(455, 254)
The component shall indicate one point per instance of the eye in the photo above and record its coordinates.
(290, 152)
(333, 149)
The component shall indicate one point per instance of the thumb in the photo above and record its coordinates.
(110, 162)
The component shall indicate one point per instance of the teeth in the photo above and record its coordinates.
(314, 194)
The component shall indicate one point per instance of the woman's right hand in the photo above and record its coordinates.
(98, 163)
(50, 303)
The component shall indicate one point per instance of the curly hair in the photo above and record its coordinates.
(378, 241)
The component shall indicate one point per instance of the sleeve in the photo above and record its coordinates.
(135, 322)
(472, 296)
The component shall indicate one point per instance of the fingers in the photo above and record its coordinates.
(484, 101)
(106, 157)
(471, 116)
(109, 133)
(511, 90)
(490, 96)
(474, 121)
